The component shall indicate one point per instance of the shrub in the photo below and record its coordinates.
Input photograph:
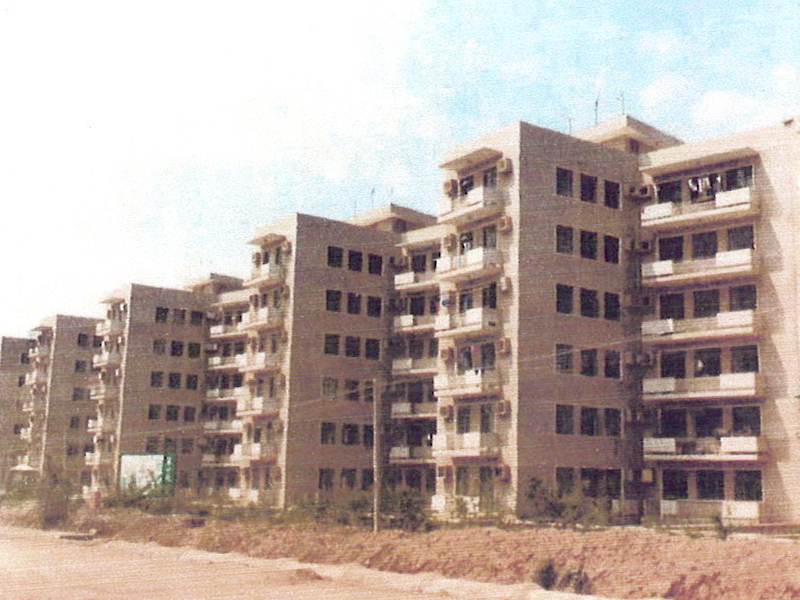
(546, 575)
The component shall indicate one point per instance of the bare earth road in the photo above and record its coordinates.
(38, 565)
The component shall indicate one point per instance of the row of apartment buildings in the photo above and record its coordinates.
(613, 311)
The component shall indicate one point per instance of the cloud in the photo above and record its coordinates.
(665, 88)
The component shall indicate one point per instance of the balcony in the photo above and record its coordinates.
(726, 206)
(410, 280)
(231, 426)
(265, 318)
(227, 394)
(110, 328)
(413, 409)
(741, 323)
(227, 329)
(97, 459)
(104, 392)
(267, 274)
(413, 323)
(36, 378)
(728, 449)
(733, 263)
(245, 454)
(257, 406)
(263, 361)
(405, 454)
(414, 366)
(466, 445)
(234, 361)
(727, 385)
(218, 460)
(101, 425)
(468, 322)
(729, 510)
(479, 203)
(475, 382)
(26, 434)
(39, 352)
(477, 262)
(106, 359)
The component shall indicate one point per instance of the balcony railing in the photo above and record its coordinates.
(106, 359)
(263, 361)
(412, 409)
(224, 329)
(475, 382)
(477, 203)
(402, 366)
(724, 264)
(728, 510)
(110, 328)
(257, 405)
(725, 324)
(101, 425)
(737, 449)
(103, 392)
(412, 279)
(255, 452)
(465, 445)
(727, 385)
(262, 318)
(265, 274)
(726, 205)
(218, 460)
(467, 322)
(410, 453)
(414, 322)
(473, 263)
(231, 426)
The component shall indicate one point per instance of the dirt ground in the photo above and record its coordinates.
(622, 562)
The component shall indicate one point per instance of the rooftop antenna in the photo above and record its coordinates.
(372, 198)
(569, 125)
(621, 99)
(596, 108)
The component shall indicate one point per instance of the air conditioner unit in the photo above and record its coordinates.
(446, 412)
(640, 193)
(503, 346)
(504, 409)
(505, 284)
(645, 359)
(504, 165)
(450, 187)
(646, 246)
(504, 225)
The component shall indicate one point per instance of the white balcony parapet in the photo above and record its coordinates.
(476, 201)
(659, 445)
(468, 321)
(735, 323)
(726, 385)
(474, 443)
(266, 273)
(742, 201)
(467, 264)
(723, 264)
(468, 383)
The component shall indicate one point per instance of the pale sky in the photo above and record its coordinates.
(145, 141)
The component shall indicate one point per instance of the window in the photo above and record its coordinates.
(331, 344)
(742, 297)
(564, 237)
(174, 380)
(154, 412)
(369, 436)
(173, 412)
(589, 362)
(590, 305)
(739, 178)
(374, 264)
(433, 348)
(611, 367)
(746, 420)
(747, 486)
(464, 301)
(673, 364)
(487, 421)
(418, 263)
(80, 366)
(372, 349)
(489, 296)
(564, 295)
(589, 244)
(611, 249)
(350, 434)
(707, 362)
(611, 306)
(24, 359)
(97, 342)
(463, 419)
(374, 304)
(490, 178)
(464, 359)
(335, 257)
(462, 481)
(326, 479)
(563, 182)
(565, 480)
(159, 346)
(355, 260)
(369, 391)
(327, 433)
(162, 314)
(704, 188)
(196, 317)
(178, 316)
(612, 194)
(189, 414)
(151, 445)
(156, 379)
(333, 300)
(588, 188)
(83, 340)
(706, 303)
(416, 348)
(367, 479)
(590, 421)
(351, 390)
(669, 191)
(193, 349)
(710, 485)
(349, 479)
(176, 349)
(466, 241)
(353, 303)
(490, 236)
(330, 387)
(563, 358)
(744, 359)
(740, 238)
(74, 422)
(352, 346)
(704, 245)
(613, 421)
(671, 306)
(671, 248)
(675, 485)
(565, 419)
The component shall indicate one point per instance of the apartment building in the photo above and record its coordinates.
(59, 408)
(14, 432)
(148, 387)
